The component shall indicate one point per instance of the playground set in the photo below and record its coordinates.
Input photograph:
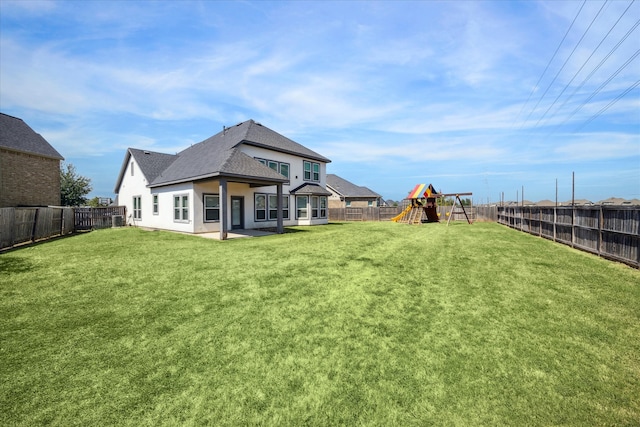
(423, 206)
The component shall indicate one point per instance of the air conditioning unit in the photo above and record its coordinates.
(117, 221)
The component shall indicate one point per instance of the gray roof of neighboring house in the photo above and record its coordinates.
(219, 155)
(348, 189)
(16, 135)
(611, 201)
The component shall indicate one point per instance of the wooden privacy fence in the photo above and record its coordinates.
(364, 213)
(23, 225)
(608, 231)
(385, 213)
(96, 218)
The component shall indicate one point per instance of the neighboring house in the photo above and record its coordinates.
(245, 177)
(29, 166)
(346, 194)
(612, 201)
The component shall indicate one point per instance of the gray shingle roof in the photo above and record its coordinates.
(310, 189)
(16, 135)
(348, 189)
(219, 155)
(151, 163)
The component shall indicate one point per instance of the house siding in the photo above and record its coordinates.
(28, 180)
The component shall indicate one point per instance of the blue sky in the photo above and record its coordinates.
(468, 96)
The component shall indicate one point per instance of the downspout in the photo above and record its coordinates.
(223, 209)
(280, 228)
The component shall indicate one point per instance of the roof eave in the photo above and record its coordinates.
(229, 176)
(31, 153)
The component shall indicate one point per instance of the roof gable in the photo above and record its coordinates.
(16, 135)
(150, 163)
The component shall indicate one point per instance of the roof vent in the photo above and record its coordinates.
(147, 152)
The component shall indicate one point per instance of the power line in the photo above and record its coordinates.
(606, 107)
(567, 60)
(549, 63)
(585, 63)
(606, 82)
(611, 52)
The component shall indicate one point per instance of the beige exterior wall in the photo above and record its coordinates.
(28, 180)
(335, 203)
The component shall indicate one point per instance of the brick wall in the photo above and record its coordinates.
(28, 180)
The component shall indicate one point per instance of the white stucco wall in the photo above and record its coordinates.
(296, 167)
(134, 184)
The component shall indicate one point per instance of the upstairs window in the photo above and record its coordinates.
(284, 169)
(311, 171)
(280, 167)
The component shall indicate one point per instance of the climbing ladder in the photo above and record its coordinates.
(410, 215)
(415, 216)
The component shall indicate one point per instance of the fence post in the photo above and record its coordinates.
(35, 225)
(573, 223)
(12, 233)
(555, 220)
(600, 221)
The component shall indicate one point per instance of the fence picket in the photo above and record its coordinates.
(22, 225)
(607, 231)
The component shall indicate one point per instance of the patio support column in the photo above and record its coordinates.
(223, 209)
(280, 227)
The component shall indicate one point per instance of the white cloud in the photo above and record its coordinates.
(598, 146)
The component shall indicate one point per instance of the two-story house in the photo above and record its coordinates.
(245, 177)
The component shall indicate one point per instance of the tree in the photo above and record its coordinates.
(73, 187)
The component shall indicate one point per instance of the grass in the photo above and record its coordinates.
(346, 324)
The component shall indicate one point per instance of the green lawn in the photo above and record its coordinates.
(347, 324)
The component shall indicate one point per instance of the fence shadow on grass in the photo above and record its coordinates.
(11, 265)
(27, 245)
